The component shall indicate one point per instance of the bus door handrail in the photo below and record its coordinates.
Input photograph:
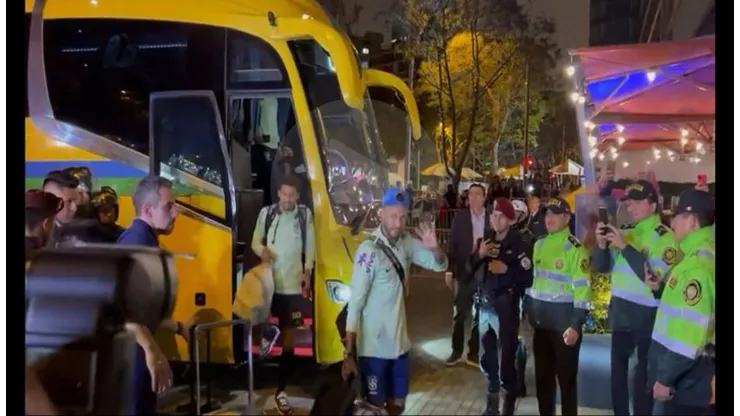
(195, 356)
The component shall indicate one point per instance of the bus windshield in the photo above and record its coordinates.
(353, 158)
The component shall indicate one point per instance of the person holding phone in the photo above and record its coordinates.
(625, 253)
(505, 262)
(681, 358)
(556, 306)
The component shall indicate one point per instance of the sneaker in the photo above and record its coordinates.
(269, 338)
(281, 403)
(453, 360)
(472, 360)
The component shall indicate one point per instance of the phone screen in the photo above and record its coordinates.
(603, 217)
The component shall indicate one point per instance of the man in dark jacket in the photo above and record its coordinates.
(467, 227)
(505, 260)
(536, 220)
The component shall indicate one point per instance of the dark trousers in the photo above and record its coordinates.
(145, 400)
(624, 343)
(554, 361)
(499, 332)
(462, 315)
(671, 408)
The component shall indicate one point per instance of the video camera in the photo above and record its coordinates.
(78, 302)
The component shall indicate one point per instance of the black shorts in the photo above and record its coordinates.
(287, 308)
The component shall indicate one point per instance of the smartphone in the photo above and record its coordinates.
(603, 218)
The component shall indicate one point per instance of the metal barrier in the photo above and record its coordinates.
(195, 361)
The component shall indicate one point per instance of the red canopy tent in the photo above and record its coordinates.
(645, 95)
(651, 93)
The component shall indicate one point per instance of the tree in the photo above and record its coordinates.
(345, 12)
(472, 53)
(536, 54)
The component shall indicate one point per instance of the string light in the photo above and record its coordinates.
(615, 155)
(625, 164)
(699, 145)
(589, 125)
(593, 153)
(581, 100)
(570, 70)
(684, 141)
(601, 156)
(574, 96)
(650, 75)
(592, 140)
(621, 140)
(620, 128)
(684, 133)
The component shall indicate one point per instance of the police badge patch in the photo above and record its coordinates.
(669, 255)
(586, 264)
(526, 263)
(692, 292)
(672, 282)
(558, 264)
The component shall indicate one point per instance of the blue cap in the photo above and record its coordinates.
(395, 196)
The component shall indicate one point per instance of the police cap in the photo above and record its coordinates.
(62, 178)
(696, 202)
(83, 174)
(640, 190)
(557, 205)
(106, 196)
(45, 203)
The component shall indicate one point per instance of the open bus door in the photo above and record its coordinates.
(188, 147)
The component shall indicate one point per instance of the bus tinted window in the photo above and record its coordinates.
(253, 64)
(100, 72)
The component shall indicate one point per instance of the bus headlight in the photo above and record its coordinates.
(339, 292)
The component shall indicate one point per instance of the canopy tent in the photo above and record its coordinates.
(438, 169)
(655, 97)
(512, 171)
(568, 167)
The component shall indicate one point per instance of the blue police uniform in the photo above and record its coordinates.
(498, 322)
(145, 400)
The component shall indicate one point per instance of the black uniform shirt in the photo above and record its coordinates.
(517, 256)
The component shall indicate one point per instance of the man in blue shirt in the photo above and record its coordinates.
(154, 204)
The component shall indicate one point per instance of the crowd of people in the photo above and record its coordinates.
(516, 264)
(67, 212)
(526, 261)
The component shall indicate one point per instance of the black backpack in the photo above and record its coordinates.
(272, 213)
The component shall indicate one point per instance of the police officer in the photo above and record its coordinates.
(681, 358)
(376, 312)
(633, 304)
(556, 306)
(507, 272)
(105, 206)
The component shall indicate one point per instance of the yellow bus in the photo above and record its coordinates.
(203, 93)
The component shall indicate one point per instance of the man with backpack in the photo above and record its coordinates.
(284, 238)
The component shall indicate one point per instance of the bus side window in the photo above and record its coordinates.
(187, 148)
(101, 72)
